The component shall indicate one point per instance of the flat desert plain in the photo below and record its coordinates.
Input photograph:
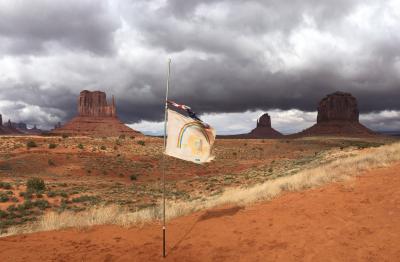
(356, 220)
(312, 199)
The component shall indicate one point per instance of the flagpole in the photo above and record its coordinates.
(165, 146)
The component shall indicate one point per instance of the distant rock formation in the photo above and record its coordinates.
(338, 106)
(94, 104)
(338, 115)
(95, 118)
(264, 129)
(8, 128)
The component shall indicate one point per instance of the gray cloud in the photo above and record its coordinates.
(228, 56)
(34, 27)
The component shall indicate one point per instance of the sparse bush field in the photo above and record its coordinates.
(126, 173)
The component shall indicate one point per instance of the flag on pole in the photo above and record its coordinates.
(189, 138)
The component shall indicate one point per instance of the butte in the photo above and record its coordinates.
(95, 118)
(262, 130)
(338, 115)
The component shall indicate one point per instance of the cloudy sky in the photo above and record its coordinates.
(231, 60)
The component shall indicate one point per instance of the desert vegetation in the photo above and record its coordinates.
(121, 183)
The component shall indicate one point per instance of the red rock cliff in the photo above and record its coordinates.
(95, 104)
(338, 106)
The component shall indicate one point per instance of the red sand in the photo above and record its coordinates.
(357, 220)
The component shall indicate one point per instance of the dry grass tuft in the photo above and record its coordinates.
(338, 170)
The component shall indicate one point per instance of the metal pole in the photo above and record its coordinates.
(165, 146)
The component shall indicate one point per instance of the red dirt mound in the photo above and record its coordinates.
(353, 221)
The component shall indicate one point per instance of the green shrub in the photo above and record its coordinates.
(133, 177)
(52, 146)
(4, 197)
(26, 205)
(63, 194)
(3, 214)
(51, 194)
(80, 146)
(141, 142)
(12, 208)
(122, 137)
(5, 185)
(85, 198)
(51, 162)
(31, 144)
(41, 204)
(26, 195)
(35, 184)
(64, 136)
(103, 148)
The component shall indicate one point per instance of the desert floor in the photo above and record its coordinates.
(356, 220)
(82, 172)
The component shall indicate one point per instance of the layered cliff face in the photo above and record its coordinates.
(94, 104)
(338, 114)
(95, 118)
(338, 106)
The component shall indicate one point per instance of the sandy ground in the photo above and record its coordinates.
(358, 220)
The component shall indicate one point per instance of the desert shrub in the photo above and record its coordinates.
(133, 177)
(103, 147)
(80, 146)
(14, 199)
(64, 136)
(41, 204)
(52, 146)
(26, 195)
(122, 137)
(12, 208)
(85, 198)
(63, 194)
(51, 194)
(4, 197)
(31, 144)
(141, 142)
(35, 184)
(5, 167)
(3, 214)
(26, 205)
(5, 185)
(51, 162)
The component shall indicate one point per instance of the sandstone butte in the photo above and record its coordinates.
(95, 118)
(263, 130)
(338, 115)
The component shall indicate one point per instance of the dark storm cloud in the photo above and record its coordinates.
(32, 27)
(228, 56)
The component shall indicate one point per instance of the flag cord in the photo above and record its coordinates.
(165, 146)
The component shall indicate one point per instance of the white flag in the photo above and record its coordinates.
(189, 139)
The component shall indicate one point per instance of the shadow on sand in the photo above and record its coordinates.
(209, 214)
